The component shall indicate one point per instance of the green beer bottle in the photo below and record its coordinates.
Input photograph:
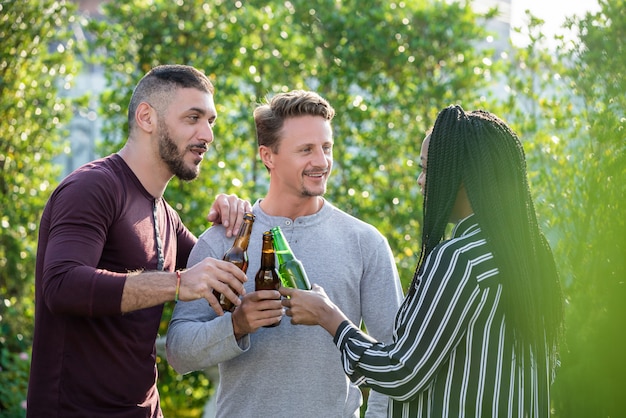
(291, 271)
(238, 255)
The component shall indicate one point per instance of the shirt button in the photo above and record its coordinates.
(288, 222)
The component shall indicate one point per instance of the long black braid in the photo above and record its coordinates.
(444, 176)
(480, 152)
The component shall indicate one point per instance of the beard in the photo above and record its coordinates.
(312, 193)
(169, 153)
(309, 192)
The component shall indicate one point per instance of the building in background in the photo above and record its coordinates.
(85, 126)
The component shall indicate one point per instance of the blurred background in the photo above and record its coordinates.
(555, 73)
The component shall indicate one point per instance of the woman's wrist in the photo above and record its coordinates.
(332, 318)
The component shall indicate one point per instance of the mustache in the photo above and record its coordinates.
(199, 147)
(323, 171)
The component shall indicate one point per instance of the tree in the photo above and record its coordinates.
(387, 69)
(569, 104)
(36, 62)
(593, 366)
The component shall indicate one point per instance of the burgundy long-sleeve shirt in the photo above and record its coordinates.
(88, 359)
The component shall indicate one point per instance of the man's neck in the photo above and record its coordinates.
(149, 172)
(291, 207)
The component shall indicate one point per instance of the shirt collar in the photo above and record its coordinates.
(465, 226)
(320, 216)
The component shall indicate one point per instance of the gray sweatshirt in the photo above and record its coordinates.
(290, 370)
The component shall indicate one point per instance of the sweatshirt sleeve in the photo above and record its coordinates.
(76, 221)
(197, 337)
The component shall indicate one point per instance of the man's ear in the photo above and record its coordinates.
(145, 117)
(267, 156)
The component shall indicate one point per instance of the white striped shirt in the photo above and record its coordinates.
(451, 355)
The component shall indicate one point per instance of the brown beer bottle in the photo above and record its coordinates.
(238, 255)
(267, 277)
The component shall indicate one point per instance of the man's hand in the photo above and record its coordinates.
(228, 210)
(257, 309)
(200, 280)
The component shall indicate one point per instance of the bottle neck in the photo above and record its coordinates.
(267, 254)
(281, 247)
(268, 260)
(243, 238)
(284, 256)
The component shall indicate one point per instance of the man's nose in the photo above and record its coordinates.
(320, 157)
(206, 135)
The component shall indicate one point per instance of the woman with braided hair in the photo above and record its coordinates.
(477, 334)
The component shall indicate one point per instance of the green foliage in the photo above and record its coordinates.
(14, 372)
(570, 107)
(593, 366)
(36, 62)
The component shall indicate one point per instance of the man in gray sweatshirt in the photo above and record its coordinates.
(289, 371)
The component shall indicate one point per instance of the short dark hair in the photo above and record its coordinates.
(158, 84)
(270, 116)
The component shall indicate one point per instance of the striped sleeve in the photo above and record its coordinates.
(431, 323)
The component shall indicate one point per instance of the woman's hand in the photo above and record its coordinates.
(312, 307)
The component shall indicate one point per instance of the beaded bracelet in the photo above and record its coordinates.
(177, 286)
